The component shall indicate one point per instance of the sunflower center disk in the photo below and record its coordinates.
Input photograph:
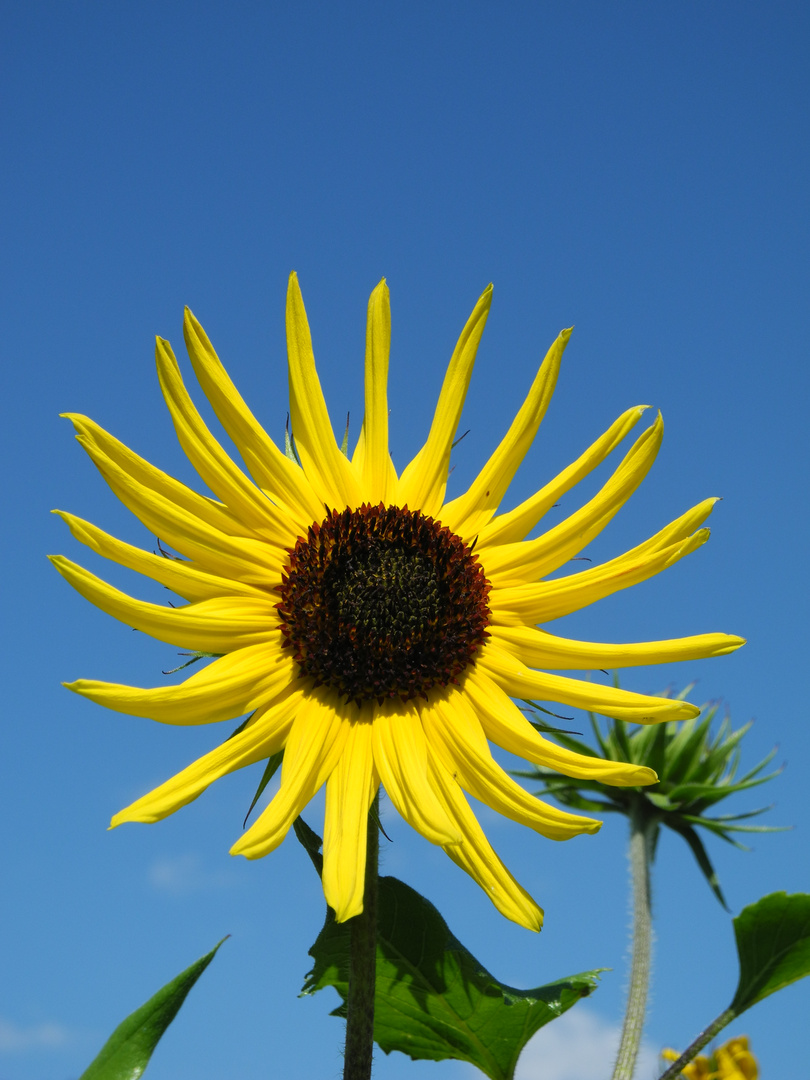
(381, 602)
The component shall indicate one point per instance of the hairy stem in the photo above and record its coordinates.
(642, 832)
(694, 1048)
(363, 968)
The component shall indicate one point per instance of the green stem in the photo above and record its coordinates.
(363, 968)
(642, 832)
(704, 1037)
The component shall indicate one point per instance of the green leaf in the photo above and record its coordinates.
(126, 1053)
(434, 1000)
(773, 943)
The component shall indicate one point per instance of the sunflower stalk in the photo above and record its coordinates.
(363, 966)
(705, 1037)
(643, 829)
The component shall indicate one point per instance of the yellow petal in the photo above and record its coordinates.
(264, 736)
(546, 600)
(103, 448)
(350, 790)
(505, 725)
(217, 470)
(519, 681)
(422, 484)
(514, 525)
(539, 649)
(468, 514)
(221, 625)
(314, 747)
(224, 554)
(328, 470)
(400, 755)
(183, 578)
(228, 687)
(372, 456)
(475, 854)
(515, 564)
(448, 726)
(283, 479)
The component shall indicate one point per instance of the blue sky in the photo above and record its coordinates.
(640, 171)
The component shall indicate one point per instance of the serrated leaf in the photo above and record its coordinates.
(773, 944)
(434, 1000)
(126, 1053)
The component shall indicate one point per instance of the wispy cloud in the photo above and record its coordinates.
(16, 1038)
(581, 1045)
(184, 874)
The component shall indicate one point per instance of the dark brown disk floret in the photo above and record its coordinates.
(382, 602)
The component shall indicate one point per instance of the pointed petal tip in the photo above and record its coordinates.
(348, 911)
(646, 776)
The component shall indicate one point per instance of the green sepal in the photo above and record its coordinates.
(270, 769)
(434, 1001)
(773, 945)
(126, 1053)
(702, 859)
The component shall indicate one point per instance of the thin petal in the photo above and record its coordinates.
(470, 513)
(181, 577)
(519, 681)
(547, 600)
(101, 446)
(217, 470)
(400, 755)
(350, 791)
(372, 456)
(329, 471)
(265, 736)
(514, 525)
(515, 564)
(314, 747)
(475, 854)
(227, 554)
(539, 649)
(507, 727)
(448, 726)
(228, 687)
(282, 478)
(221, 625)
(422, 484)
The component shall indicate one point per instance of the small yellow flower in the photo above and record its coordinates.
(733, 1061)
(375, 632)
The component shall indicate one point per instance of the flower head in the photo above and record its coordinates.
(732, 1061)
(696, 767)
(375, 632)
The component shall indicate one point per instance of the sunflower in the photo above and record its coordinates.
(374, 632)
(732, 1061)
